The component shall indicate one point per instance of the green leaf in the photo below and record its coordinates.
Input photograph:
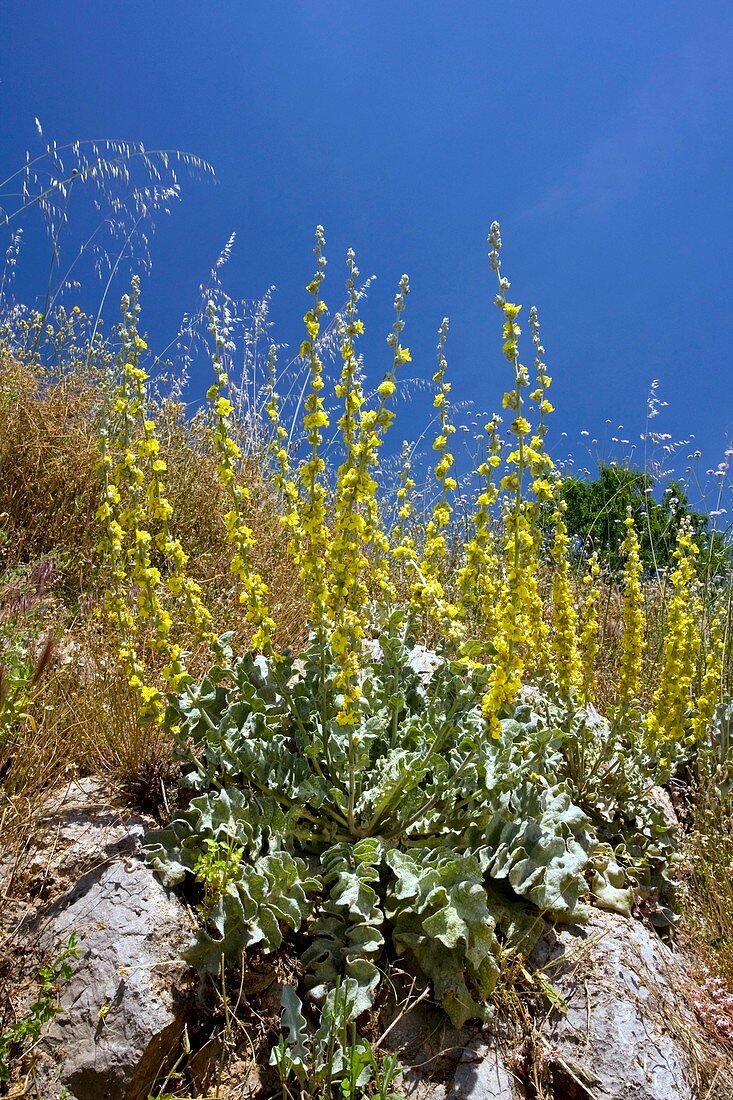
(298, 1042)
(438, 908)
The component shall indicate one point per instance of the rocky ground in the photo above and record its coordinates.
(623, 1022)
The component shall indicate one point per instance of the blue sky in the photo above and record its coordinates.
(599, 135)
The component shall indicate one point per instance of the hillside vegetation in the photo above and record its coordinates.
(220, 611)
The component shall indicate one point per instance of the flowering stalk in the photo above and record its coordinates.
(427, 596)
(357, 523)
(113, 546)
(124, 513)
(666, 723)
(589, 641)
(381, 547)
(541, 468)
(285, 483)
(541, 465)
(347, 586)
(632, 619)
(711, 689)
(564, 616)
(505, 679)
(478, 579)
(253, 592)
(314, 535)
(403, 549)
(197, 616)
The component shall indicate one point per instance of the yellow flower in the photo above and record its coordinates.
(667, 721)
(589, 643)
(564, 616)
(632, 618)
(712, 681)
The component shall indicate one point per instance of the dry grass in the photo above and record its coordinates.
(47, 471)
(84, 718)
(709, 880)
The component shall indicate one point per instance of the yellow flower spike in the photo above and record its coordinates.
(253, 592)
(428, 598)
(196, 616)
(359, 559)
(589, 641)
(632, 618)
(479, 577)
(126, 542)
(666, 724)
(521, 638)
(711, 689)
(564, 616)
(402, 546)
(305, 512)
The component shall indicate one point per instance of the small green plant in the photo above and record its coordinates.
(216, 868)
(17, 1041)
(332, 1061)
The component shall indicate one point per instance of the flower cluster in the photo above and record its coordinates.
(285, 483)
(253, 592)
(314, 536)
(195, 615)
(632, 619)
(427, 595)
(666, 724)
(132, 501)
(521, 639)
(478, 577)
(359, 552)
(564, 616)
(496, 592)
(589, 641)
(401, 537)
(712, 679)
(348, 589)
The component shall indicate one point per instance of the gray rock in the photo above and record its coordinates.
(441, 1062)
(661, 798)
(123, 1012)
(420, 659)
(482, 1074)
(77, 827)
(427, 1045)
(628, 1030)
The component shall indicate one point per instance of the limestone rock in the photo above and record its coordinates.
(483, 1074)
(421, 660)
(124, 1009)
(629, 1030)
(441, 1062)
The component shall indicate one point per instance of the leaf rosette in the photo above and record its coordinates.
(410, 834)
